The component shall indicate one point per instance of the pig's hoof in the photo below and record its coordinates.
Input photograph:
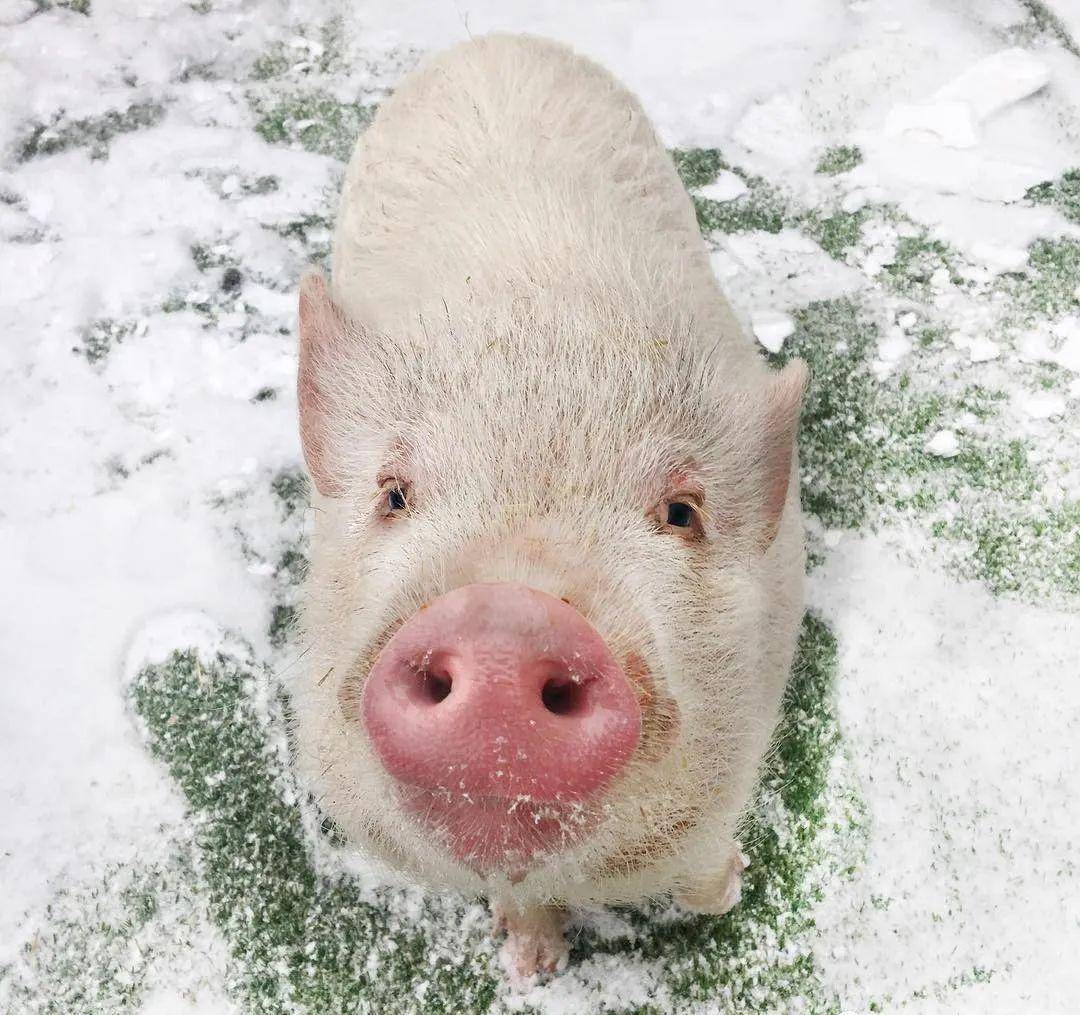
(718, 895)
(535, 941)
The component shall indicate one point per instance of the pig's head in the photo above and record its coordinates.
(544, 579)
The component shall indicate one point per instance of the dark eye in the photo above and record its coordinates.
(680, 514)
(395, 499)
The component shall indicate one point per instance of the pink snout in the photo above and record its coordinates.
(495, 706)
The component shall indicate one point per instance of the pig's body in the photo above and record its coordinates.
(530, 336)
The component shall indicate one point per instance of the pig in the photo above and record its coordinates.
(557, 561)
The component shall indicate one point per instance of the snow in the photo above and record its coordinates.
(1043, 405)
(995, 83)
(138, 517)
(726, 187)
(963, 722)
(770, 328)
(944, 444)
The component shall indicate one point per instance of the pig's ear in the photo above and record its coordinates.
(783, 404)
(322, 333)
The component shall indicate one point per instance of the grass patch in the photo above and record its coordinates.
(315, 120)
(917, 258)
(95, 132)
(291, 488)
(317, 52)
(1063, 194)
(762, 207)
(95, 952)
(75, 6)
(1051, 284)
(1005, 550)
(837, 233)
(100, 337)
(698, 167)
(841, 159)
(837, 454)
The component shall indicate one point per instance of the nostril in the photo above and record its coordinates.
(429, 684)
(563, 695)
(436, 687)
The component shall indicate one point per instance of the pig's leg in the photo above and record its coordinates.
(535, 941)
(719, 892)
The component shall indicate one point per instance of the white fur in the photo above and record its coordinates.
(532, 336)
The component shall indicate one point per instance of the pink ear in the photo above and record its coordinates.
(321, 331)
(783, 403)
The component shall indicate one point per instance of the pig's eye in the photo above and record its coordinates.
(395, 497)
(680, 514)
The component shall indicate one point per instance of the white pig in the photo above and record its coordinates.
(556, 571)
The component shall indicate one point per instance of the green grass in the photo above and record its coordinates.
(95, 133)
(836, 233)
(762, 207)
(323, 55)
(1050, 286)
(1063, 194)
(841, 159)
(94, 952)
(314, 119)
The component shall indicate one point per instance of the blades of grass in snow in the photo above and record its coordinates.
(94, 132)
(839, 159)
(98, 949)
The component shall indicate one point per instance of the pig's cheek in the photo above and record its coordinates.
(351, 689)
(660, 721)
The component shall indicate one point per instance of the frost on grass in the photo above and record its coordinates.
(1063, 194)
(1051, 286)
(102, 945)
(314, 120)
(761, 207)
(99, 338)
(838, 160)
(94, 133)
(301, 941)
(1041, 20)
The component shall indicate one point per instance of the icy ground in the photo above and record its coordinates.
(892, 191)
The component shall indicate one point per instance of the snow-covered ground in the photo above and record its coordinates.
(891, 198)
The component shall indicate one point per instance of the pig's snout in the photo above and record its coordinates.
(496, 696)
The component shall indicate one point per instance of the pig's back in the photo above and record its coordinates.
(510, 167)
